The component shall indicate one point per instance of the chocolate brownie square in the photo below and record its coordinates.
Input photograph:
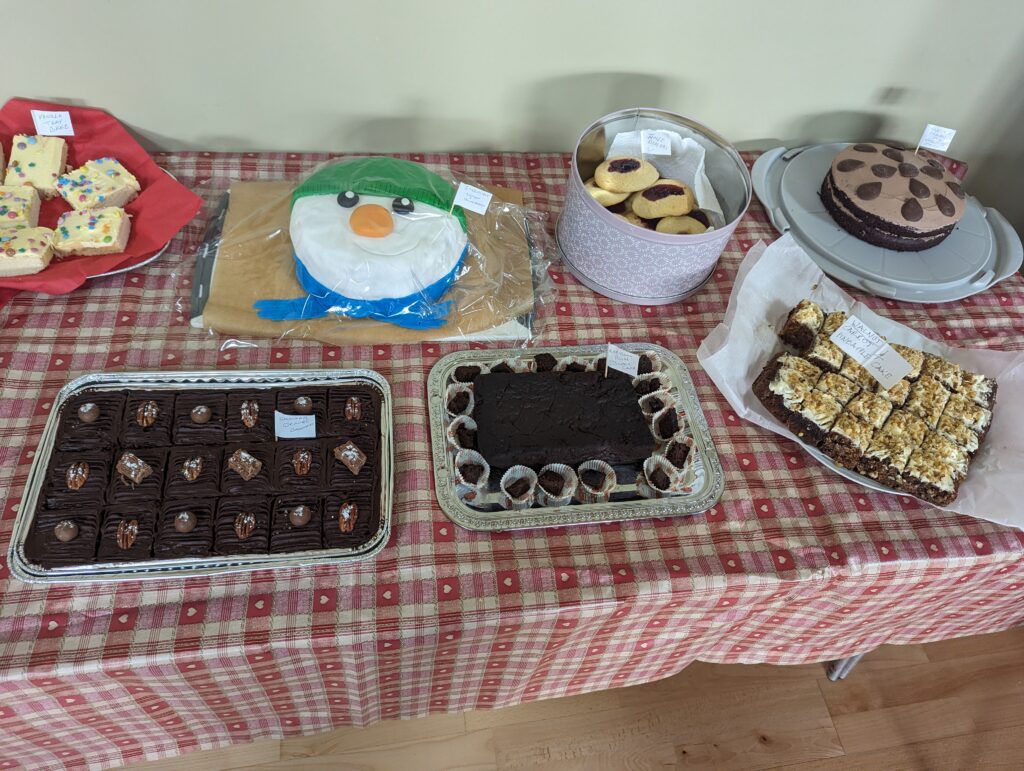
(837, 386)
(184, 529)
(78, 530)
(871, 408)
(354, 413)
(147, 420)
(77, 479)
(847, 440)
(242, 525)
(976, 418)
(833, 321)
(193, 472)
(946, 372)
(90, 420)
(913, 357)
(979, 389)
(199, 417)
(886, 458)
(897, 395)
(305, 401)
(856, 373)
(250, 416)
(137, 475)
(350, 518)
(299, 465)
(783, 384)
(127, 533)
(296, 524)
(247, 469)
(342, 468)
(955, 430)
(825, 354)
(802, 325)
(927, 400)
(930, 478)
(815, 417)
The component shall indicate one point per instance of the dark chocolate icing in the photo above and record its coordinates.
(226, 540)
(263, 430)
(141, 546)
(206, 485)
(123, 490)
(187, 431)
(42, 547)
(367, 520)
(284, 535)
(287, 479)
(158, 434)
(198, 542)
(75, 434)
(59, 495)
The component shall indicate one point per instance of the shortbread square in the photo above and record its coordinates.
(94, 231)
(98, 184)
(19, 206)
(24, 251)
(37, 161)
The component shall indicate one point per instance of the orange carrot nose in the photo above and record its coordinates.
(372, 221)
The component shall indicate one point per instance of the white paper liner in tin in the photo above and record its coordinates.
(649, 406)
(565, 361)
(512, 475)
(660, 414)
(544, 498)
(587, 494)
(470, 491)
(484, 369)
(645, 488)
(656, 364)
(450, 392)
(454, 426)
(517, 366)
(663, 382)
(680, 472)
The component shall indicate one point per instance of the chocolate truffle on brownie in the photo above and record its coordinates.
(299, 464)
(199, 417)
(127, 533)
(349, 518)
(147, 420)
(90, 420)
(242, 525)
(184, 529)
(77, 479)
(246, 469)
(250, 416)
(295, 524)
(137, 476)
(63, 538)
(193, 472)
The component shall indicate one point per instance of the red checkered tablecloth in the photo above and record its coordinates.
(794, 565)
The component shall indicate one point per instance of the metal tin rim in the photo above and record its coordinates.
(200, 566)
(582, 514)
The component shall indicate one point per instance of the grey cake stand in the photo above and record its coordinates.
(982, 250)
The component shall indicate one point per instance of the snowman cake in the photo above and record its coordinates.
(374, 238)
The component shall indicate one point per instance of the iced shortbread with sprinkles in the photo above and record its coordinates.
(24, 250)
(37, 161)
(98, 184)
(95, 231)
(19, 206)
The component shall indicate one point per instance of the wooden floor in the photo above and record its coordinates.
(957, 704)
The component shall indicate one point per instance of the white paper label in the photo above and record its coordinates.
(53, 123)
(655, 142)
(936, 138)
(294, 426)
(472, 198)
(622, 360)
(863, 345)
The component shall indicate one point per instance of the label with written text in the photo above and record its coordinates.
(294, 426)
(936, 138)
(53, 123)
(858, 341)
(622, 360)
(655, 142)
(472, 198)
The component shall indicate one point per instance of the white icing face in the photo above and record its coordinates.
(422, 247)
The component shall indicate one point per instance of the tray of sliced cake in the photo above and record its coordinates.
(553, 437)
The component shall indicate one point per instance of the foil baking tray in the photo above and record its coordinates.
(26, 571)
(708, 480)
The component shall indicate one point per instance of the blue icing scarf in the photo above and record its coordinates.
(420, 310)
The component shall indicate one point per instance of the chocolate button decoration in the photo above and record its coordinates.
(201, 414)
(303, 405)
(861, 148)
(945, 205)
(932, 171)
(184, 522)
(908, 170)
(90, 412)
(849, 164)
(882, 170)
(911, 210)
(957, 190)
(300, 516)
(65, 531)
(892, 154)
(919, 189)
(869, 191)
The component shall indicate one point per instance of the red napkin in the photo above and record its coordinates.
(162, 209)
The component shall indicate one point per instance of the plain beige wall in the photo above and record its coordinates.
(465, 75)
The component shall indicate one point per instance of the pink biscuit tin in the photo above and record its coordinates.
(632, 264)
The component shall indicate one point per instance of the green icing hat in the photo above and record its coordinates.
(385, 177)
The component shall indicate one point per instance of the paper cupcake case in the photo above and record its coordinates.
(452, 429)
(544, 498)
(586, 494)
(450, 393)
(510, 477)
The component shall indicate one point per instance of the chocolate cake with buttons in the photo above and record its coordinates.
(144, 476)
(892, 198)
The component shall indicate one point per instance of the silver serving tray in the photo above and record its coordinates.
(24, 570)
(700, 499)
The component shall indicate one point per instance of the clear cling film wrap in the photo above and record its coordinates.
(368, 250)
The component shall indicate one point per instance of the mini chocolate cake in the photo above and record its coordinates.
(544, 362)
(677, 453)
(593, 478)
(349, 518)
(199, 418)
(90, 420)
(127, 533)
(296, 524)
(891, 197)
(299, 464)
(536, 418)
(468, 373)
(193, 472)
(77, 479)
(137, 476)
(250, 416)
(246, 469)
(305, 401)
(646, 385)
(802, 325)
(147, 419)
(184, 529)
(355, 414)
(242, 525)
(62, 538)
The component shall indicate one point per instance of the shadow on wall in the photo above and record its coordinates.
(838, 126)
(557, 110)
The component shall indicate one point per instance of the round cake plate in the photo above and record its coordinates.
(981, 251)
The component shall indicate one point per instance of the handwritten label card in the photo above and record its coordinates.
(936, 138)
(622, 360)
(655, 142)
(294, 426)
(858, 341)
(472, 198)
(53, 123)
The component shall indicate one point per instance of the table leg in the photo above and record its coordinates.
(840, 668)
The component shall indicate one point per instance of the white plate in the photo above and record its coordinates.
(981, 251)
